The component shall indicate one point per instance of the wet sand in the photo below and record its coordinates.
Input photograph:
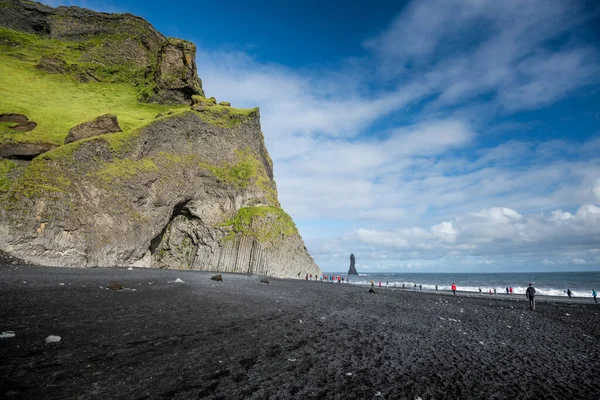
(289, 339)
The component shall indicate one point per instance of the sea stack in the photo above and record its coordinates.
(352, 270)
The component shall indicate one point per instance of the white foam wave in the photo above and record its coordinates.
(517, 290)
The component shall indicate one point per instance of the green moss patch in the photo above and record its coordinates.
(41, 177)
(8, 127)
(265, 223)
(226, 117)
(240, 174)
(5, 167)
(125, 168)
(58, 102)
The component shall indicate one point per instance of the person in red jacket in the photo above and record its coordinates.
(453, 287)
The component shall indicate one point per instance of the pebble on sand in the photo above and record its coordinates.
(130, 269)
(178, 280)
(7, 335)
(53, 339)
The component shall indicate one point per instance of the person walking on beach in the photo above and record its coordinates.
(495, 294)
(594, 295)
(511, 290)
(453, 287)
(421, 288)
(482, 293)
(530, 294)
(569, 293)
(436, 287)
(507, 290)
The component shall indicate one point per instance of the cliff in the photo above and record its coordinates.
(152, 174)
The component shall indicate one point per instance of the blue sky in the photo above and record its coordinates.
(422, 136)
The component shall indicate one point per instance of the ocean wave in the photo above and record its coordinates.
(517, 290)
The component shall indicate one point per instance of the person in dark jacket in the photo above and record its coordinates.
(530, 294)
(569, 293)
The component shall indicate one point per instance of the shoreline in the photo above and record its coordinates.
(159, 338)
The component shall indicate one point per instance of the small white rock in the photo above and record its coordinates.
(567, 314)
(61, 284)
(7, 335)
(377, 394)
(291, 359)
(130, 269)
(300, 321)
(24, 281)
(178, 280)
(349, 374)
(53, 339)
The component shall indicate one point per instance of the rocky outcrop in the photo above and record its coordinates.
(352, 270)
(20, 122)
(77, 24)
(53, 65)
(114, 47)
(23, 151)
(101, 125)
(176, 78)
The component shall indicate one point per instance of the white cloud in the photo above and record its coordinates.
(463, 49)
(494, 231)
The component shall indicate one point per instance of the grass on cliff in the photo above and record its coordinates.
(225, 116)
(5, 167)
(238, 174)
(57, 102)
(265, 223)
(246, 170)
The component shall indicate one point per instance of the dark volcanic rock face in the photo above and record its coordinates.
(180, 193)
(352, 270)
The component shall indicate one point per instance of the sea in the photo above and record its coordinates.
(545, 283)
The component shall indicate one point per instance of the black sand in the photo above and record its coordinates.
(290, 339)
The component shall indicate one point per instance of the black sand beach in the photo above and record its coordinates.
(288, 339)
